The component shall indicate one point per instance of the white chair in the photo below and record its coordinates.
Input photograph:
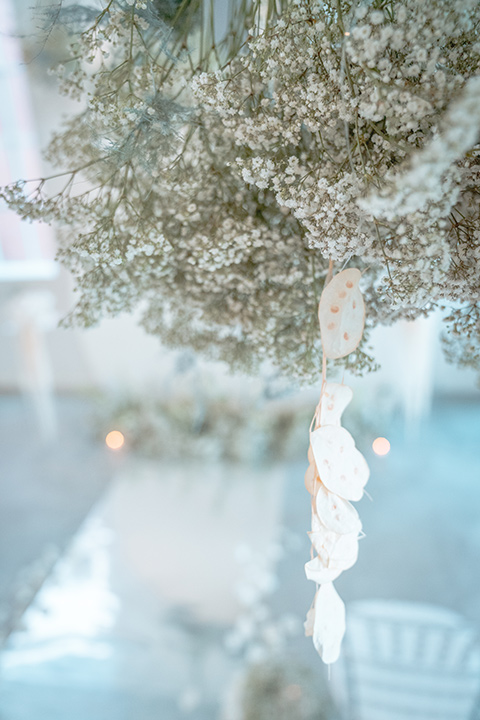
(408, 661)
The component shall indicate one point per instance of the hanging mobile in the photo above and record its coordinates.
(338, 472)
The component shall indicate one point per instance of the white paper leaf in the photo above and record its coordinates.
(329, 623)
(335, 398)
(335, 513)
(342, 314)
(345, 552)
(334, 550)
(317, 571)
(323, 545)
(342, 468)
(317, 525)
(322, 539)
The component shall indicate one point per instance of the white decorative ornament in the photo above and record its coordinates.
(337, 472)
(329, 623)
(335, 397)
(341, 467)
(335, 550)
(341, 314)
(336, 514)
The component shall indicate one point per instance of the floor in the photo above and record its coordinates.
(157, 564)
(46, 491)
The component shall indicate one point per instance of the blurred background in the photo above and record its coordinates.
(153, 514)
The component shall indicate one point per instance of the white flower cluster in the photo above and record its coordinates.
(312, 144)
(362, 119)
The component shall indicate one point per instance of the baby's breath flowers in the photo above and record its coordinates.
(209, 182)
(362, 119)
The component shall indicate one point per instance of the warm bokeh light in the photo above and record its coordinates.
(115, 440)
(381, 446)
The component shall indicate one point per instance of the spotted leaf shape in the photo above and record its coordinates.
(333, 401)
(342, 468)
(335, 513)
(335, 550)
(329, 623)
(342, 314)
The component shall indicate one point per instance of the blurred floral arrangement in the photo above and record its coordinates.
(212, 174)
(196, 420)
(213, 428)
(276, 691)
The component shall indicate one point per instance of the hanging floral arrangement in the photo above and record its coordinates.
(211, 175)
(215, 175)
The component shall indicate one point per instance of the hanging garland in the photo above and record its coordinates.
(338, 472)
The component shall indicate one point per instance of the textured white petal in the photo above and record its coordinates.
(317, 525)
(322, 539)
(342, 468)
(323, 545)
(334, 550)
(329, 623)
(342, 314)
(335, 398)
(344, 553)
(336, 514)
